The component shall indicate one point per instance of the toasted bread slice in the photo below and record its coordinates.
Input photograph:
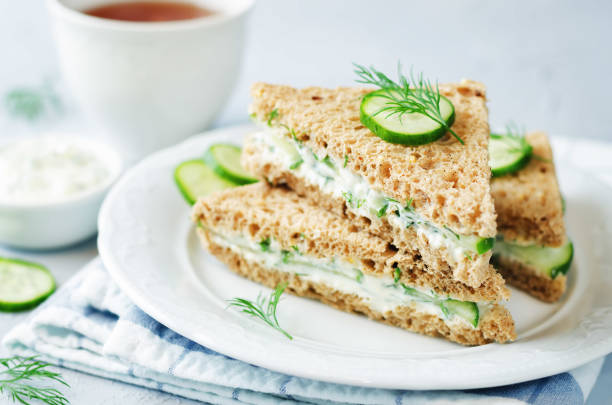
(259, 213)
(447, 183)
(528, 202)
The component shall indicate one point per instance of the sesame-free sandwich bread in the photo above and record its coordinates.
(272, 235)
(531, 225)
(431, 201)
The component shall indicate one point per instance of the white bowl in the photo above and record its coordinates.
(59, 223)
(149, 85)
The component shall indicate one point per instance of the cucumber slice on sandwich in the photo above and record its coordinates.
(463, 309)
(407, 128)
(195, 179)
(508, 154)
(23, 285)
(224, 159)
(551, 261)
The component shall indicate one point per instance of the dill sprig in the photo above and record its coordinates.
(515, 136)
(410, 95)
(18, 380)
(31, 103)
(263, 308)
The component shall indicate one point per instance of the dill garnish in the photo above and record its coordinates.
(410, 95)
(297, 164)
(273, 114)
(265, 245)
(18, 376)
(263, 308)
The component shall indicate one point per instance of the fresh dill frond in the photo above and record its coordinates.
(396, 274)
(383, 210)
(345, 160)
(359, 276)
(296, 249)
(410, 95)
(263, 308)
(20, 381)
(327, 161)
(271, 116)
(409, 205)
(31, 103)
(348, 196)
(453, 232)
(265, 245)
(297, 164)
(285, 256)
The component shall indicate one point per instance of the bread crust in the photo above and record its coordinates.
(496, 325)
(260, 211)
(525, 278)
(448, 181)
(528, 202)
(474, 271)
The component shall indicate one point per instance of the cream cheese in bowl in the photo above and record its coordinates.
(51, 188)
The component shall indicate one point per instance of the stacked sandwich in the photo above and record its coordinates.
(346, 215)
(532, 250)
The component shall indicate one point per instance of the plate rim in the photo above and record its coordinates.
(588, 353)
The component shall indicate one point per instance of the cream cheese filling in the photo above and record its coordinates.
(381, 293)
(332, 177)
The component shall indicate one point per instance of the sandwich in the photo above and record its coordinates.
(271, 235)
(532, 251)
(431, 201)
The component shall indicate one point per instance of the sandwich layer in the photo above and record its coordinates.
(438, 191)
(270, 234)
(494, 325)
(529, 279)
(528, 202)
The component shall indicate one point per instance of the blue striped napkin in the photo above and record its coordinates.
(91, 326)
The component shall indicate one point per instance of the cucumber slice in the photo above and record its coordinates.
(508, 154)
(476, 244)
(23, 285)
(463, 309)
(194, 179)
(407, 129)
(547, 260)
(224, 159)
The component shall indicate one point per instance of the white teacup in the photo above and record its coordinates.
(150, 84)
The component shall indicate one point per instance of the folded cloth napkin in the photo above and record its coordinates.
(91, 326)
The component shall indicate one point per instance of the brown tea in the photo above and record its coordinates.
(149, 11)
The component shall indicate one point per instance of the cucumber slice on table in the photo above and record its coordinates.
(405, 129)
(508, 154)
(23, 285)
(224, 159)
(547, 260)
(194, 179)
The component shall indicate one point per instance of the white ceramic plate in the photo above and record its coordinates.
(149, 246)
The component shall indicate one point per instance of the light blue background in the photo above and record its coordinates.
(547, 64)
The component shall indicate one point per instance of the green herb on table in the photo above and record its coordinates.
(345, 160)
(31, 103)
(263, 308)
(21, 379)
(410, 95)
